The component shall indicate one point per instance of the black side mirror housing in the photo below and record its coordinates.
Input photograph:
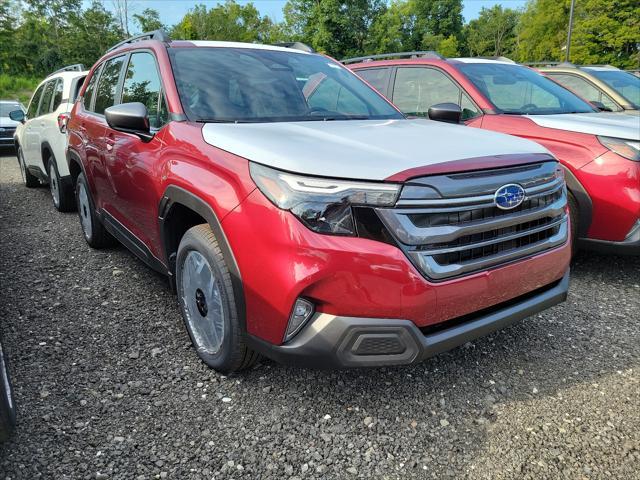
(445, 112)
(17, 116)
(600, 106)
(130, 118)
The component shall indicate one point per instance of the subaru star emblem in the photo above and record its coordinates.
(509, 196)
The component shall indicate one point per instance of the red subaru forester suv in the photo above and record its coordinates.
(300, 215)
(599, 150)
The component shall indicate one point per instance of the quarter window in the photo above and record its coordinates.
(32, 111)
(585, 89)
(57, 94)
(416, 89)
(142, 84)
(107, 85)
(47, 96)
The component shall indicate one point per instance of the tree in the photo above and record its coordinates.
(337, 27)
(229, 21)
(123, 10)
(431, 19)
(149, 20)
(493, 33)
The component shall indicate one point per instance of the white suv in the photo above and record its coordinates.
(41, 138)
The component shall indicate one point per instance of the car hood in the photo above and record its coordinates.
(7, 122)
(360, 149)
(608, 124)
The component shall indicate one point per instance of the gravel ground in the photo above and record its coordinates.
(108, 386)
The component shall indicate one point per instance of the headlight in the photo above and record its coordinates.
(322, 204)
(626, 148)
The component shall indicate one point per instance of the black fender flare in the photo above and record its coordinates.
(585, 205)
(46, 146)
(174, 194)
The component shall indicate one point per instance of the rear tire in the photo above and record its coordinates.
(208, 304)
(92, 228)
(62, 195)
(30, 181)
(574, 215)
(7, 403)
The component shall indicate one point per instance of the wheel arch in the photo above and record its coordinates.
(45, 148)
(75, 165)
(180, 210)
(585, 206)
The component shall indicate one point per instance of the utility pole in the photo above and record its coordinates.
(566, 59)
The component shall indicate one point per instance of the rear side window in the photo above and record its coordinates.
(585, 89)
(47, 96)
(57, 93)
(142, 84)
(32, 111)
(378, 78)
(91, 88)
(107, 84)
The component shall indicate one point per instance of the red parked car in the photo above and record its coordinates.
(300, 215)
(601, 151)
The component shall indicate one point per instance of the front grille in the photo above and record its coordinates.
(457, 234)
(7, 132)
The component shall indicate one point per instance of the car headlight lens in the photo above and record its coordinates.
(322, 204)
(625, 148)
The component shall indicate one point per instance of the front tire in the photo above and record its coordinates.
(92, 228)
(208, 304)
(61, 195)
(30, 181)
(7, 403)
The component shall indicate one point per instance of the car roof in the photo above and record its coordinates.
(225, 44)
(483, 60)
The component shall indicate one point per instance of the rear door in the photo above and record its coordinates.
(95, 126)
(132, 163)
(28, 141)
(416, 88)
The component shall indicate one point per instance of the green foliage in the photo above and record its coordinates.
(16, 87)
(493, 33)
(604, 31)
(149, 20)
(229, 21)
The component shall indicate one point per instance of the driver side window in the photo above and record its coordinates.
(584, 89)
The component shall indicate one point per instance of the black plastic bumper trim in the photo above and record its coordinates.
(332, 342)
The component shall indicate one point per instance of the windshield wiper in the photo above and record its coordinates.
(330, 118)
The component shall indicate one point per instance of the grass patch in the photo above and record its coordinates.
(15, 87)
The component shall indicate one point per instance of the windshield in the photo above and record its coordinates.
(515, 89)
(6, 108)
(626, 84)
(254, 85)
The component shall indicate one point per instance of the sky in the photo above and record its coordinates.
(172, 11)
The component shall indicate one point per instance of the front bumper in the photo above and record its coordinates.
(330, 341)
(629, 246)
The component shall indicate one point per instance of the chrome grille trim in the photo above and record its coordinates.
(454, 235)
(442, 272)
(399, 223)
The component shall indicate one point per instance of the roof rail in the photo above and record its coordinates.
(154, 35)
(76, 67)
(370, 58)
(296, 46)
(549, 64)
(499, 58)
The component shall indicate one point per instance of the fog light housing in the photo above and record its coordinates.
(301, 313)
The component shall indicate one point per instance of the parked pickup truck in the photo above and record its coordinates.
(600, 151)
(301, 216)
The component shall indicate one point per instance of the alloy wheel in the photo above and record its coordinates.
(84, 209)
(202, 301)
(53, 184)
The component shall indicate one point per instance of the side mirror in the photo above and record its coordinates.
(445, 112)
(600, 106)
(17, 116)
(130, 118)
